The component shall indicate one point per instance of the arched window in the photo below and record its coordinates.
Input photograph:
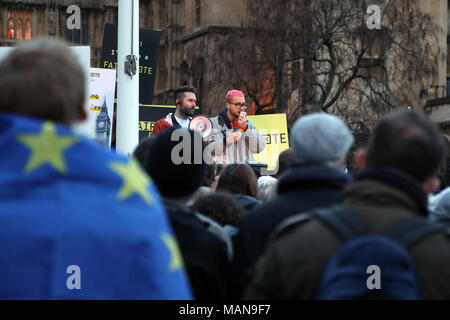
(28, 29)
(198, 13)
(19, 29)
(11, 29)
(19, 25)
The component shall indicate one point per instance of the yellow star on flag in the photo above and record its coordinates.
(134, 180)
(176, 261)
(47, 147)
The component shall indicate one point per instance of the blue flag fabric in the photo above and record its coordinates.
(80, 222)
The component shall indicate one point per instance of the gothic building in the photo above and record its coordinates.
(187, 31)
(190, 30)
(28, 19)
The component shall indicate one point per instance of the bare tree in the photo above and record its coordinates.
(295, 56)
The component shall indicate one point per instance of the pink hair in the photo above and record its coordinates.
(236, 93)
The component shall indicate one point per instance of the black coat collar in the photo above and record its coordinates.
(400, 181)
(302, 176)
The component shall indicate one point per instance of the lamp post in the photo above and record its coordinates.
(127, 134)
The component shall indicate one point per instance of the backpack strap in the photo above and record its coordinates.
(410, 231)
(289, 224)
(346, 224)
(218, 231)
(338, 218)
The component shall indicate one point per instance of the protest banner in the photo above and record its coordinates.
(274, 128)
(148, 115)
(101, 104)
(148, 58)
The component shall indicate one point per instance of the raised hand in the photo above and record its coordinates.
(233, 137)
(242, 120)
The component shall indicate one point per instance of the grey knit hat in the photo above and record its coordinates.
(320, 137)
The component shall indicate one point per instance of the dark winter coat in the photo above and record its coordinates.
(294, 261)
(247, 202)
(299, 189)
(204, 254)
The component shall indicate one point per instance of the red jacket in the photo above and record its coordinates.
(162, 124)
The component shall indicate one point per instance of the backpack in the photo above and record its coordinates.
(217, 230)
(369, 266)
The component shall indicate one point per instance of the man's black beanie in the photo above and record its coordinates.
(176, 180)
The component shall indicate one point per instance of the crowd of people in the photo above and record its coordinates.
(149, 227)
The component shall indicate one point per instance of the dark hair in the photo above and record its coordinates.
(238, 179)
(221, 207)
(42, 79)
(442, 182)
(219, 168)
(179, 93)
(141, 151)
(407, 141)
(176, 180)
(210, 175)
(285, 160)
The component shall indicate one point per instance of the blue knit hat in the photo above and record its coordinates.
(346, 276)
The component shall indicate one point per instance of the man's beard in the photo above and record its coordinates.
(186, 111)
(233, 114)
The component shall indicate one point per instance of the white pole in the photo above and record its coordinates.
(127, 134)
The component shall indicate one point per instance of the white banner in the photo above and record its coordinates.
(101, 104)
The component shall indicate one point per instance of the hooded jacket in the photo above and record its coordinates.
(251, 141)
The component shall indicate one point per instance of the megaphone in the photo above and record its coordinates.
(202, 124)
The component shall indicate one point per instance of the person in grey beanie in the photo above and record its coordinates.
(320, 143)
(321, 138)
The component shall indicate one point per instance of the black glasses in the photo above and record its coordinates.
(243, 106)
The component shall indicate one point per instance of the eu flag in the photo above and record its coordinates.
(80, 222)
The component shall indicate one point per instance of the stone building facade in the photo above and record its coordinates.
(190, 30)
(21, 20)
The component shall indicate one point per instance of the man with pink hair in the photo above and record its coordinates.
(233, 134)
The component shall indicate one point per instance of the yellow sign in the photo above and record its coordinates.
(146, 126)
(274, 128)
